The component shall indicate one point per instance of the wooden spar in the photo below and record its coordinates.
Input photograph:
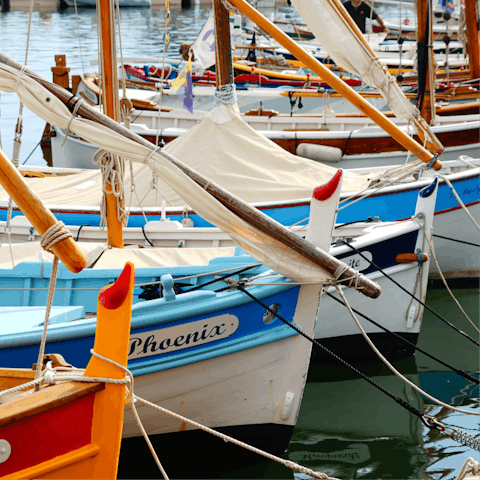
(431, 142)
(424, 31)
(39, 216)
(339, 85)
(471, 14)
(223, 49)
(238, 206)
(110, 100)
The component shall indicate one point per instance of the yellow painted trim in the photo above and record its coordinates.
(56, 463)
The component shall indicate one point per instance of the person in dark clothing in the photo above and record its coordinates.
(360, 11)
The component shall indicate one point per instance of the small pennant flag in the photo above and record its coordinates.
(182, 86)
(447, 5)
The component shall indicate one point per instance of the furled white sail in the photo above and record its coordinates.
(264, 247)
(342, 39)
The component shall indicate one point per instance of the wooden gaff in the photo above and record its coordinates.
(39, 216)
(339, 85)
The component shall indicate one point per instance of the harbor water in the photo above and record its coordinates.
(346, 427)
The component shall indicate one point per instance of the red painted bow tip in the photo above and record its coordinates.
(113, 296)
(325, 191)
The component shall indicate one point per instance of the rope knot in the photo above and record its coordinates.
(56, 233)
(225, 95)
(49, 374)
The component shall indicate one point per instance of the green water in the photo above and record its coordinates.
(349, 429)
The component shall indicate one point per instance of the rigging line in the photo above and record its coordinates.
(432, 249)
(459, 371)
(399, 400)
(395, 371)
(215, 280)
(31, 153)
(408, 293)
(146, 238)
(455, 240)
(79, 40)
(79, 230)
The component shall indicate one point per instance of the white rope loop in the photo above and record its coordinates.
(470, 467)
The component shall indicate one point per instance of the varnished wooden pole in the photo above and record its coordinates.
(339, 85)
(424, 19)
(235, 204)
(39, 216)
(471, 12)
(110, 94)
(223, 49)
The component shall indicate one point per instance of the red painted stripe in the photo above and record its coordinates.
(324, 192)
(48, 434)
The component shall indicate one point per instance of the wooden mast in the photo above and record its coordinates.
(424, 32)
(223, 49)
(110, 101)
(471, 13)
(339, 85)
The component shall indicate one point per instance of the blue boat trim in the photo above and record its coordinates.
(206, 353)
(401, 206)
(173, 313)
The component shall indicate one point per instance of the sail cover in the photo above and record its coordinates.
(264, 247)
(329, 21)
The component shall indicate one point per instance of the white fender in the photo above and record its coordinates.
(323, 212)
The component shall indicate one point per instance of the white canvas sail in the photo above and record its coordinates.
(341, 38)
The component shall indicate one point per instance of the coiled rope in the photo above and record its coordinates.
(113, 171)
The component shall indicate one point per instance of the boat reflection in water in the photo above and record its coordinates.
(347, 428)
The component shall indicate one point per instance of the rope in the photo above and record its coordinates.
(432, 250)
(56, 233)
(408, 293)
(236, 272)
(460, 372)
(458, 241)
(78, 103)
(392, 368)
(132, 399)
(225, 95)
(78, 34)
(470, 467)
(113, 170)
(226, 438)
(407, 171)
(459, 200)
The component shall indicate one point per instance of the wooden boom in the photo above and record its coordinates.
(339, 85)
(239, 207)
(38, 215)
